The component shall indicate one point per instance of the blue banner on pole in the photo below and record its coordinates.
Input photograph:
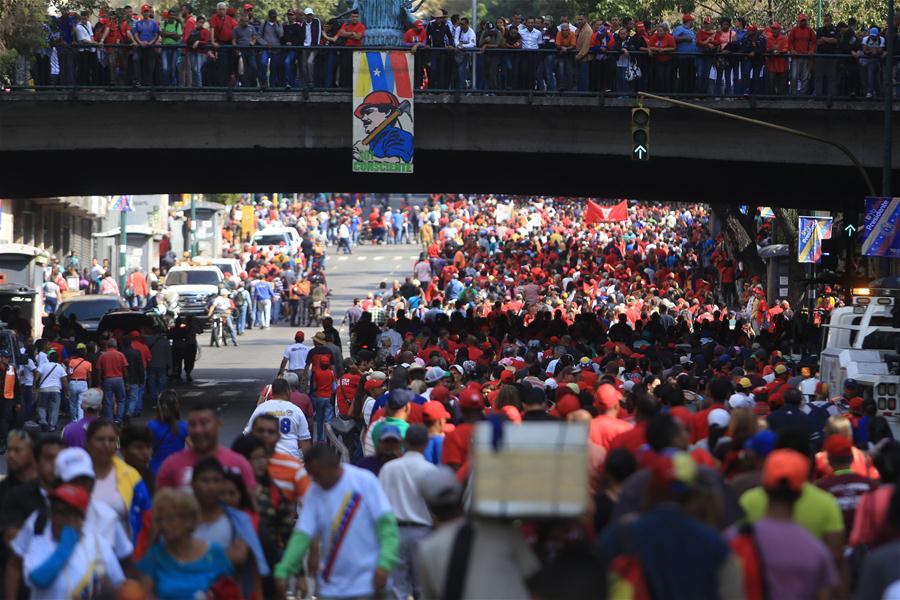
(881, 228)
(122, 203)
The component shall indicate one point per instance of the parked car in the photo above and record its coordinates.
(131, 320)
(88, 310)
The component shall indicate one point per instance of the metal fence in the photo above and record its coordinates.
(440, 70)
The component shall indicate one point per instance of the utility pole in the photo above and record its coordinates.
(123, 246)
(193, 227)
(474, 26)
(888, 102)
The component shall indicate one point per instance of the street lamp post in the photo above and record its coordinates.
(888, 101)
(123, 247)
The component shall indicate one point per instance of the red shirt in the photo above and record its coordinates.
(802, 40)
(412, 36)
(223, 27)
(457, 445)
(604, 429)
(346, 392)
(112, 363)
(357, 28)
(700, 425)
(322, 380)
(189, 25)
(666, 41)
(631, 440)
(143, 349)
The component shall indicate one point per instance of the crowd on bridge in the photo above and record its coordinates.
(718, 56)
(720, 465)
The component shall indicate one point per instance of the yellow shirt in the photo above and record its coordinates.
(816, 510)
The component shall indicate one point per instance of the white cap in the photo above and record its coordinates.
(550, 383)
(378, 375)
(73, 462)
(718, 417)
(308, 11)
(740, 401)
(435, 374)
(91, 399)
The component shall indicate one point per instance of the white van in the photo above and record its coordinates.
(274, 236)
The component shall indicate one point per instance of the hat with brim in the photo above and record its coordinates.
(377, 99)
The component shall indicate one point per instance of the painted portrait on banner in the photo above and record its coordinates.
(383, 122)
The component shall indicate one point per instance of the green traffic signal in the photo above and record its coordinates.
(640, 134)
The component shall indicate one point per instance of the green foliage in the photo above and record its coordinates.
(20, 24)
(324, 9)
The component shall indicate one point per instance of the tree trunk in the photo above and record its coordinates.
(798, 272)
(738, 231)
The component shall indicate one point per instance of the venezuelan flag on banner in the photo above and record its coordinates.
(383, 122)
(121, 203)
(811, 232)
(766, 212)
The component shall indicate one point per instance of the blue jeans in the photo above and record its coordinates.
(584, 76)
(198, 59)
(548, 73)
(290, 68)
(276, 309)
(269, 71)
(330, 67)
(48, 409)
(242, 318)
(27, 403)
(462, 70)
(169, 66)
(76, 388)
(323, 413)
(114, 388)
(135, 400)
(157, 380)
(50, 304)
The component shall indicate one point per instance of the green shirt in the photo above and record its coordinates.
(170, 27)
(400, 424)
(816, 510)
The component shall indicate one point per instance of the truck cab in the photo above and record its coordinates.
(862, 343)
(196, 285)
(21, 287)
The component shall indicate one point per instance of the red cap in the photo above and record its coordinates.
(838, 445)
(507, 376)
(299, 336)
(785, 464)
(856, 404)
(72, 495)
(377, 98)
(434, 410)
(371, 384)
(440, 393)
(471, 398)
(134, 334)
(248, 7)
(607, 397)
(802, 17)
(229, 11)
(772, 26)
(569, 403)
(145, 7)
(687, 18)
(418, 23)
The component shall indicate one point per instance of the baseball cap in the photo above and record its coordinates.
(248, 7)
(134, 334)
(145, 7)
(81, 346)
(390, 432)
(774, 26)
(740, 401)
(434, 410)
(762, 443)
(72, 495)
(802, 17)
(507, 376)
(567, 404)
(299, 336)
(435, 374)
(838, 445)
(399, 397)
(378, 375)
(91, 399)
(780, 369)
(785, 464)
(856, 404)
(308, 11)
(686, 18)
(440, 393)
(439, 487)
(718, 417)
(73, 462)
(745, 383)
(873, 31)
(851, 383)
(371, 384)
(471, 398)
(607, 397)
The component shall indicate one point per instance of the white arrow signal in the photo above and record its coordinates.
(850, 229)
(640, 151)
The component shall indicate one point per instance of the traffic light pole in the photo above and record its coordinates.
(862, 171)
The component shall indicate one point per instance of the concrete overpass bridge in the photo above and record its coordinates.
(105, 142)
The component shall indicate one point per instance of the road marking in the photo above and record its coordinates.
(342, 258)
(361, 257)
(230, 393)
(191, 394)
(398, 258)
(378, 258)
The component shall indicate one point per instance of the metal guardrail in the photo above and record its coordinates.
(439, 70)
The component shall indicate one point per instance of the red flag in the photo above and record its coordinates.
(596, 213)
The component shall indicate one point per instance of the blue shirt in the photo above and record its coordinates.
(67, 27)
(687, 47)
(174, 580)
(165, 443)
(393, 141)
(145, 29)
(263, 291)
(434, 450)
(454, 289)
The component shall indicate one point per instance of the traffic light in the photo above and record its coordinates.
(640, 134)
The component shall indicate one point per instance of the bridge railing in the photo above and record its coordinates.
(207, 67)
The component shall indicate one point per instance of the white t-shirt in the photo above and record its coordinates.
(292, 424)
(50, 374)
(344, 518)
(296, 355)
(26, 373)
(106, 491)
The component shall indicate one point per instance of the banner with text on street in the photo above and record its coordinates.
(383, 123)
(881, 228)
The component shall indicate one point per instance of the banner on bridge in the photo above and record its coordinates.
(811, 231)
(383, 123)
(880, 234)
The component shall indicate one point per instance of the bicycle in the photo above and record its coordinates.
(217, 331)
